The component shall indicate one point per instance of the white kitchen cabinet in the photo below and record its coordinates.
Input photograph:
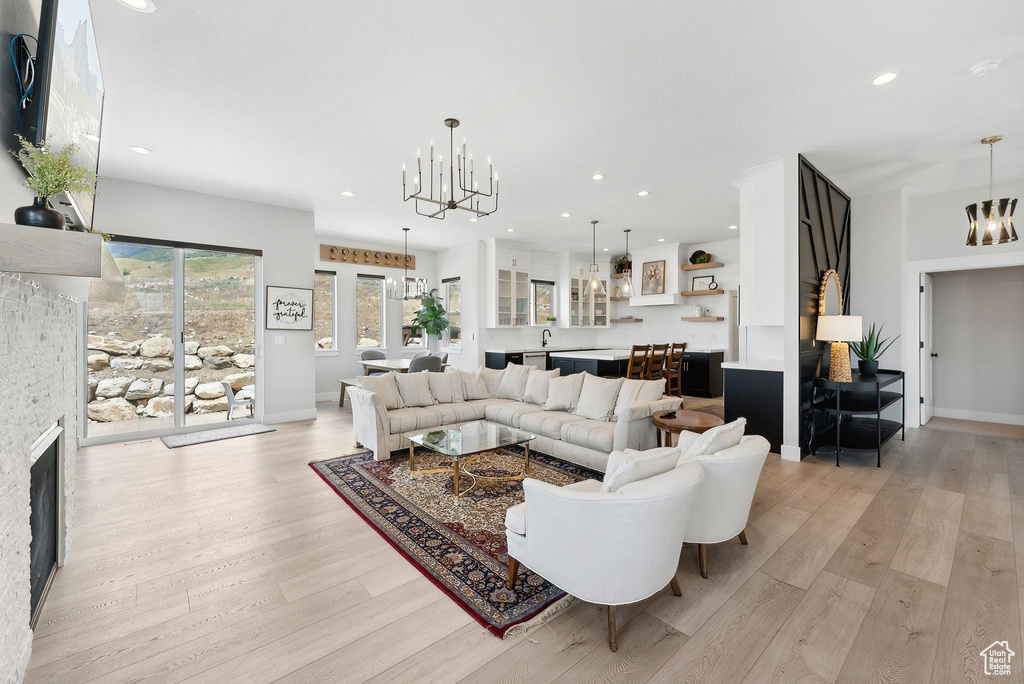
(586, 311)
(508, 286)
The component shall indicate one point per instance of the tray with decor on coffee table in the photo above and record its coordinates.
(465, 444)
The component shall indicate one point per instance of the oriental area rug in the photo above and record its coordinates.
(458, 545)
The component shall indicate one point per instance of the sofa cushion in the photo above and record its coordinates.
(597, 397)
(413, 418)
(593, 434)
(385, 387)
(492, 379)
(473, 385)
(459, 412)
(639, 467)
(513, 383)
(547, 423)
(537, 386)
(510, 412)
(635, 392)
(415, 389)
(445, 387)
(716, 439)
(564, 392)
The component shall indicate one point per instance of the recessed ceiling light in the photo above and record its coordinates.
(643, 193)
(566, 214)
(605, 249)
(347, 193)
(144, 6)
(984, 67)
(882, 79)
(733, 227)
(597, 176)
(140, 149)
(511, 230)
(661, 239)
(91, 137)
(472, 220)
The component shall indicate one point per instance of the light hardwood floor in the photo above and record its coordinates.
(234, 562)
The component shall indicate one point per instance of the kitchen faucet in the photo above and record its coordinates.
(544, 337)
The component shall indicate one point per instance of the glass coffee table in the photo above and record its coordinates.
(464, 444)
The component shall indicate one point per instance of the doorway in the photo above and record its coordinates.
(171, 341)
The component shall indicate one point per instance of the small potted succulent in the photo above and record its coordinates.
(49, 174)
(869, 349)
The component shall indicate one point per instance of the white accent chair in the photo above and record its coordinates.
(234, 401)
(726, 493)
(609, 548)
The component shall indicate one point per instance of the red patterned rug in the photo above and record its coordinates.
(459, 546)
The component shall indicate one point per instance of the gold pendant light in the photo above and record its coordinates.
(993, 219)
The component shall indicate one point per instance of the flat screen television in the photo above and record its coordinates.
(68, 102)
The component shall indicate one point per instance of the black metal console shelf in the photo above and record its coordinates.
(856, 407)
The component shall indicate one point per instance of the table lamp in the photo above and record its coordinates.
(839, 330)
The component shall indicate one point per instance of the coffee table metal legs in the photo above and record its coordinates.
(455, 470)
(412, 457)
(526, 470)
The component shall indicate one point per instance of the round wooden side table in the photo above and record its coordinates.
(691, 421)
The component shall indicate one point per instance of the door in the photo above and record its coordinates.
(505, 298)
(927, 353)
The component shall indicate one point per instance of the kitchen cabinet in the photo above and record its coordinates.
(586, 311)
(508, 286)
(702, 373)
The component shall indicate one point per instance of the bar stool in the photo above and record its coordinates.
(637, 368)
(656, 362)
(674, 370)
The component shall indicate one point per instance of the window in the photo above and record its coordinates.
(542, 294)
(412, 334)
(325, 284)
(453, 301)
(369, 312)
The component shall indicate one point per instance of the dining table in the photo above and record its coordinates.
(389, 365)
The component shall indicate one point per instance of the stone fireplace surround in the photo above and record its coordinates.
(39, 385)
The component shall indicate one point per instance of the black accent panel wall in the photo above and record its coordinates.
(824, 243)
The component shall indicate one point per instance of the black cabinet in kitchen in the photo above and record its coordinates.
(702, 374)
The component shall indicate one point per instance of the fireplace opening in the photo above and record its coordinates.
(44, 516)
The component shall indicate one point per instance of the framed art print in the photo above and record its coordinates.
(289, 308)
(701, 283)
(653, 278)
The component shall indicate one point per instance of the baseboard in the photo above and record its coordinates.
(790, 453)
(328, 396)
(289, 416)
(979, 416)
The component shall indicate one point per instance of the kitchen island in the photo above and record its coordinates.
(601, 362)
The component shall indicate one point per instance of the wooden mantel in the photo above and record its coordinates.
(27, 249)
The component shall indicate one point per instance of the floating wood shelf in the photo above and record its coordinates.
(697, 267)
(619, 299)
(616, 276)
(697, 293)
(702, 319)
(627, 320)
(28, 249)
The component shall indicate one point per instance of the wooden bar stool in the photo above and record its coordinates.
(637, 367)
(656, 362)
(674, 370)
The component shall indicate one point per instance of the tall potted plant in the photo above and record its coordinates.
(49, 175)
(869, 349)
(431, 317)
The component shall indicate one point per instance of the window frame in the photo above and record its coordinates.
(334, 350)
(533, 303)
(380, 280)
(448, 346)
(423, 335)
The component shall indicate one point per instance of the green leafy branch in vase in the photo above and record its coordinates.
(51, 173)
(872, 345)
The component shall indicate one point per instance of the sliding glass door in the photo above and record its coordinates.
(171, 340)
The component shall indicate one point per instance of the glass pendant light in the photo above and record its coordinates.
(595, 286)
(991, 221)
(626, 288)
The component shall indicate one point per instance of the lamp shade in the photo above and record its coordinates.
(839, 329)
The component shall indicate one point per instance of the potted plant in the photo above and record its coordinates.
(622, 263)
(431, 317)
(869, 349)
(551, 320)
(49, 175)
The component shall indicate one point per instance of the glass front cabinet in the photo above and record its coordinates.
(586, 311)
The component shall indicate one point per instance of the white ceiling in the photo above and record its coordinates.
(291, 103)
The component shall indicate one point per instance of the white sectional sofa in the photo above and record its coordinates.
(581, 425)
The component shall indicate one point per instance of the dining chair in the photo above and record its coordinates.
(637, 368)
(443, 355)
(423, 352)
(656, 362)
(674, 370)
(373, 355)
(425, 363)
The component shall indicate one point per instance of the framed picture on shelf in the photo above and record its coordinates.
(702, 283)
(653, 278)
(289, 308)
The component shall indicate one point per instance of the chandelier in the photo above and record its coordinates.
(411, 288)
(626, 288)
(989, 210)
(461, 167)
(594, 286)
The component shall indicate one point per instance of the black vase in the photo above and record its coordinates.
(39, 215)
(867, 368)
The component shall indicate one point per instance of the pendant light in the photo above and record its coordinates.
(411, 288)
(595, 286)
(626, 288)
(993, 231)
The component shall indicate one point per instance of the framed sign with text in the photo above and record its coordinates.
(289, 308)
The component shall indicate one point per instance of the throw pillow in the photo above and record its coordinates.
(648, 464)
(445, 387)
(513, 384)
(492, 378)
(415, 389)
(617, 458)
(598, 396)
(563, 393)
(537, 386)
(718, 438)
(473, 386)
(635, 392)
(385, 387)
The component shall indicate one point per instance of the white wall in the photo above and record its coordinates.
(344, 362)
(978, 325)
(284, 235)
